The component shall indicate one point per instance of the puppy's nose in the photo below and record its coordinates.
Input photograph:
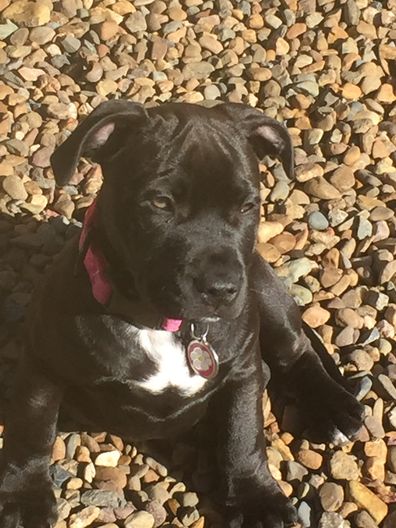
(217, 291)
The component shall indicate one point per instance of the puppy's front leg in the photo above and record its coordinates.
(308, 373)
(251, 495)
(26, 496)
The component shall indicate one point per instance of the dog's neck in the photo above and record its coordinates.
(104, 287)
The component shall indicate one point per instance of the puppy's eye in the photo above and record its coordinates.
(162, 202)
(246, 207)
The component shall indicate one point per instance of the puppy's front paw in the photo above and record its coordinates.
(337, 416)
(27, 503)
(269, 509)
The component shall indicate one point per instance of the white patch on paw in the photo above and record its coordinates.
(169, 355)
(339, 438)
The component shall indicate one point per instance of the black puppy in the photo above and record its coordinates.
(162, 312)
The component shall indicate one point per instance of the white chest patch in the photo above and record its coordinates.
(169, 356)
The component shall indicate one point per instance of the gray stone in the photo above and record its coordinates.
(70, 44)
(59, 475)
(365, 229)
(280, 192)
(73, 440)
(318, 221)
(102, 498)
(304, 514)
(295, 471)
(7, 29)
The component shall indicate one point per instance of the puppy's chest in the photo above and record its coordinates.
(171, 369)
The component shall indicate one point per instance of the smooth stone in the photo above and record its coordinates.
(318, 221)
(333, 520)
(101, 498)
(343, 466)
(367, 500)
(331, 496)
(140, 519)
(14, 187)
(84, 518)
(304, 514)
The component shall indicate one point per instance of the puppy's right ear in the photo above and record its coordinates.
(91, 136)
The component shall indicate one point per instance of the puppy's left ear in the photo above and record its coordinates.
(99, 136)
(266, 135)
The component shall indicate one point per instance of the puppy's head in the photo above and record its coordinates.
(180, 200)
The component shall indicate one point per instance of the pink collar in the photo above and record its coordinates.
(96, 267)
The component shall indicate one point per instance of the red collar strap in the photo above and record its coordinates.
(96, 267)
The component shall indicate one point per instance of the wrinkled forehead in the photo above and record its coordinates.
(208, 155)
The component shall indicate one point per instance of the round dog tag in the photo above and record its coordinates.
(202, 359)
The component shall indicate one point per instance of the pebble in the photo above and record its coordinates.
(304, 514)
(101, 498)
(14, 187)
(318, 221)
(157, 511)
(316, 316)
(320, 188)
(140, 519)
(343, 466)
(364, 520)
(110, 478)
(84, 517)
(331, 496)
(333, 520)
(367, 500)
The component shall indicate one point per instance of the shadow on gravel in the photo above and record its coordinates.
(27, 248)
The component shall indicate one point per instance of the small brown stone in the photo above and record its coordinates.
(386, 94)
(349, 317)
(110, 478)
(316, 316)
(296, 30)
(351, 91)
(375, 469)
(269, 252)
(108, 29)
(343, 178)
(310, 459)
(320, 188)
(268, 230)
(14, 187)
(58, 449)
(284, 242)
(330, 276)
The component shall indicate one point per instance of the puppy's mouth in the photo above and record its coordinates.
(211, 319)
(202, 313)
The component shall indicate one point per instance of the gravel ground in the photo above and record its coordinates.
(327, 69)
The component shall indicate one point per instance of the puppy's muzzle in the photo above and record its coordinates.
(218, 279)
(217, 291)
